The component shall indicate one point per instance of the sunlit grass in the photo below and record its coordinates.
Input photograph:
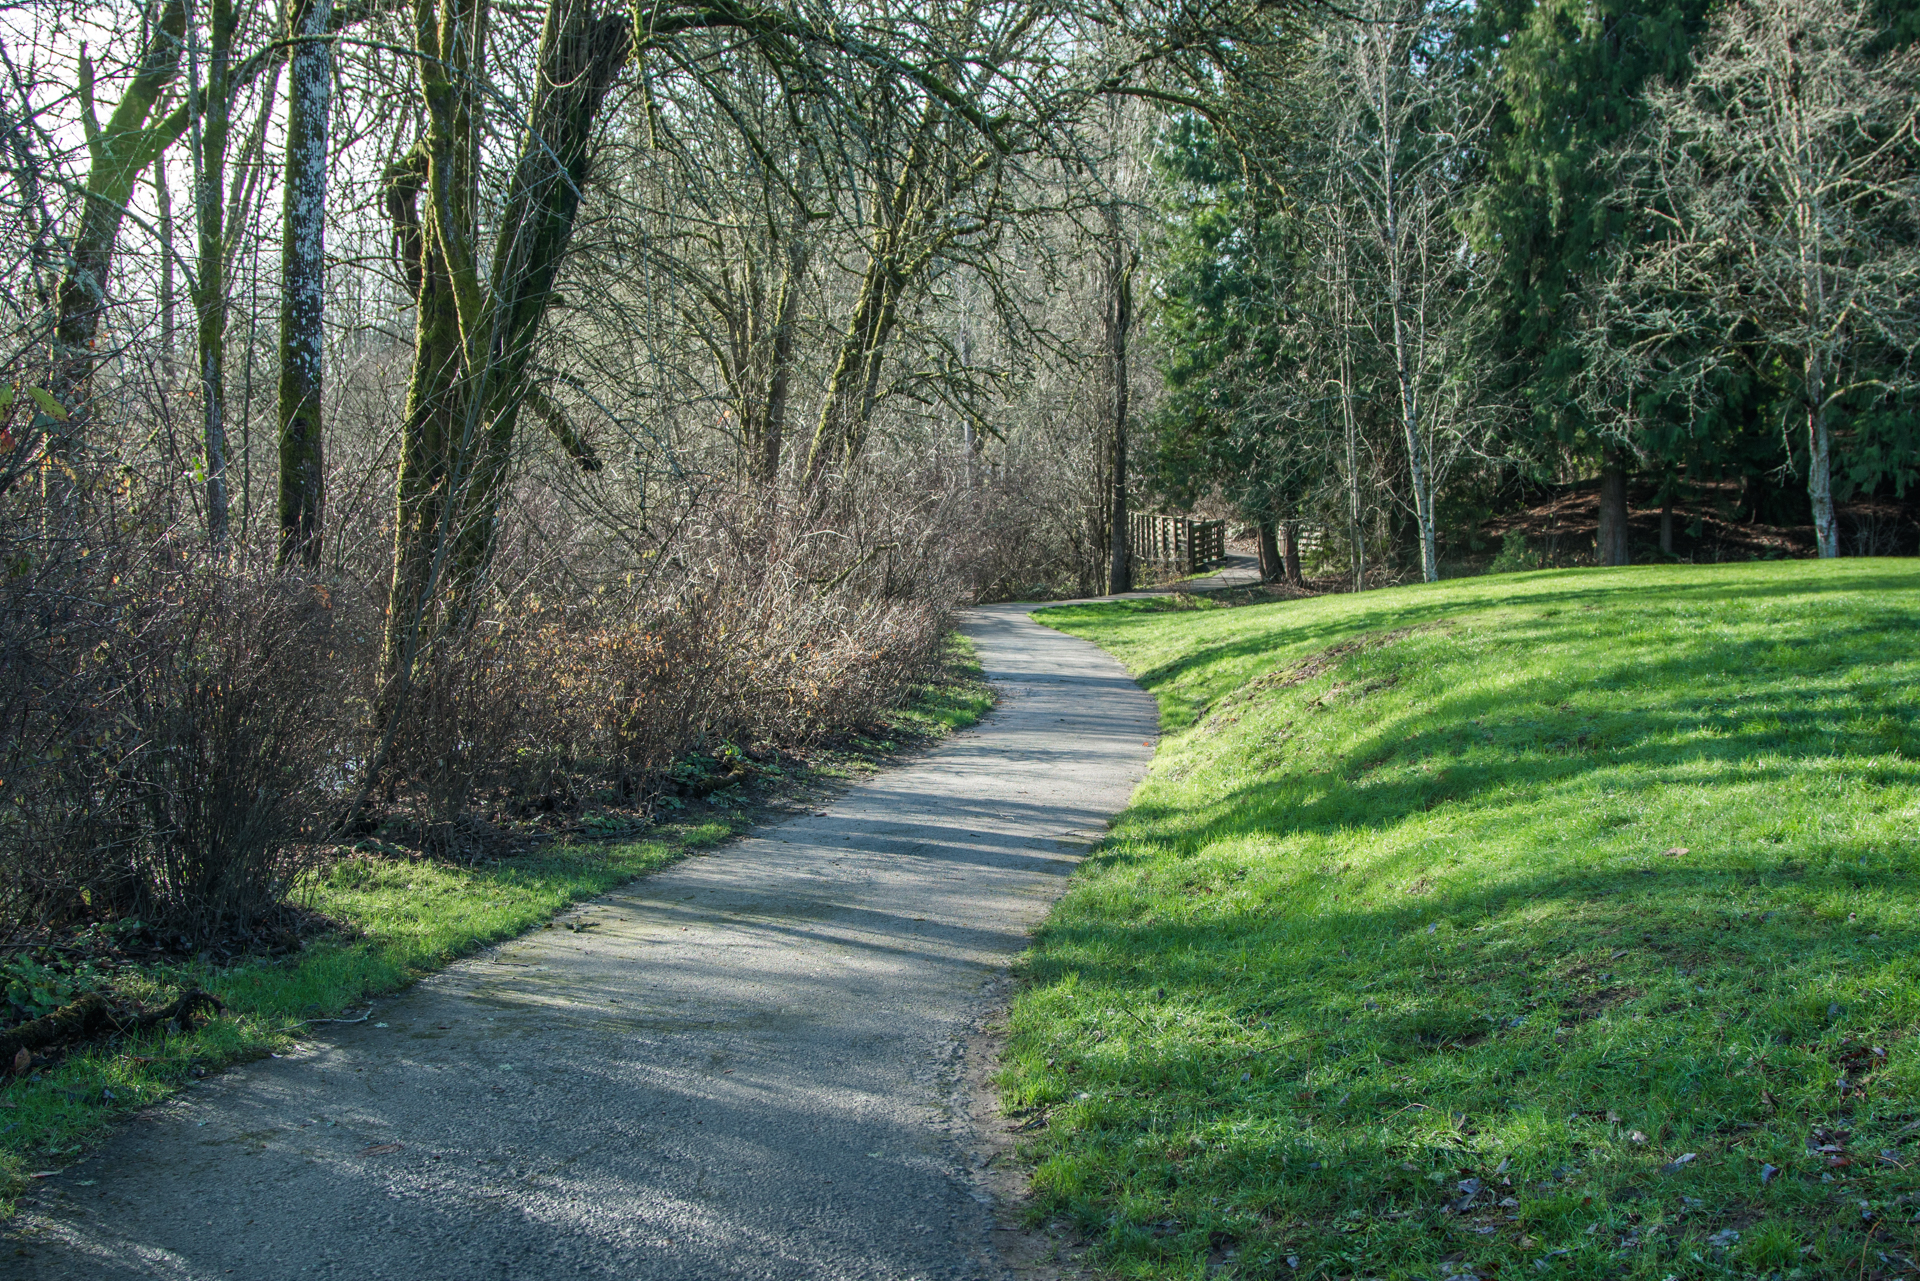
(1548, 882)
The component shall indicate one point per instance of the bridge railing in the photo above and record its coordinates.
(1178, 543)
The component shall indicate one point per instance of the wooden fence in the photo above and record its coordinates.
(1176, 543)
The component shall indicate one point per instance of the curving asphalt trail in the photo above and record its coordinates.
(748, 1068)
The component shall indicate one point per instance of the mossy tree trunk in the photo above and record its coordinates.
(210, 114)
(118, 152)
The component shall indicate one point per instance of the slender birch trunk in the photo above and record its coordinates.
(302, 258)
(1119, 331)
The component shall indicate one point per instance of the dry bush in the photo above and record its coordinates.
(166, 718)
(771, 630)
(177, 720)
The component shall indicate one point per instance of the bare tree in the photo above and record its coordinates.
(1403, 127)
(1779, 189)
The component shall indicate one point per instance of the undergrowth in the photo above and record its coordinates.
(1549, 925)
(401, 916)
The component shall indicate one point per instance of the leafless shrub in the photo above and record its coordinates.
(165, 717)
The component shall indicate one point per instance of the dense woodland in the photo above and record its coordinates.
(432, 414)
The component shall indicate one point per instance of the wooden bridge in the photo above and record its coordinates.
(1176, 543)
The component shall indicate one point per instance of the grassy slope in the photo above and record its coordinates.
(1589, 871)
(412, 918)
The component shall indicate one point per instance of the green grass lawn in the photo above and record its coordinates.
(1545, 925)
(409, 917)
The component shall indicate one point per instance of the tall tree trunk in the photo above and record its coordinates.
(1290, 551)
(117, 153)
(474, 340)
(848, 404)
(581, 52)
(1267, 547)
(772, 428)
(303, 270)
(169, 311)
(210, 103)
(1610, 540)
(1666, 525)
(1418, 472)
(1120, 269)
(1826, 530)
(1343, 298)
(421, 483)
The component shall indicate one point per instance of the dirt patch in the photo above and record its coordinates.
(1050, 1251)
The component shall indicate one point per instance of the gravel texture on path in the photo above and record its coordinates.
(750, 1065)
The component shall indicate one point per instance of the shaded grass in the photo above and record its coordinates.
(1511, 927)
(407, 918)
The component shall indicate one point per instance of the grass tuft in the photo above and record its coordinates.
(1555, 925)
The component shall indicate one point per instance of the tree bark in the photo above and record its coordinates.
(1666, 524)
(1610, 540)
(169, 313)
(1290, 551)
(1343, 299)
(1121, 267)
(118, 153)
(1826, 530)
(474, 339)
(210, 104)
(1418, 473)
(780, 377)
(1267, 539)
(302, 266)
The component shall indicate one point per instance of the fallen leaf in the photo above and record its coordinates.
(1677, 851)
(1637, 1137)
(22, 1061)
(1768, 1173)
(1674, 1166)
(381, 1149)
(43, 1174)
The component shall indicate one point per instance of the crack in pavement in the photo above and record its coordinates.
(754, 1065)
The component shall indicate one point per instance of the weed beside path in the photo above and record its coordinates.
(405, 918)
(1546, 925)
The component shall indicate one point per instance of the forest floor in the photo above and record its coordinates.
(1547, 925)
(760, 1061)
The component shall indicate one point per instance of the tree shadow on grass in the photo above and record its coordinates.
(1290, 632)
(1490, 747)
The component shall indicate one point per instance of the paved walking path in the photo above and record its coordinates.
(747, 1068)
